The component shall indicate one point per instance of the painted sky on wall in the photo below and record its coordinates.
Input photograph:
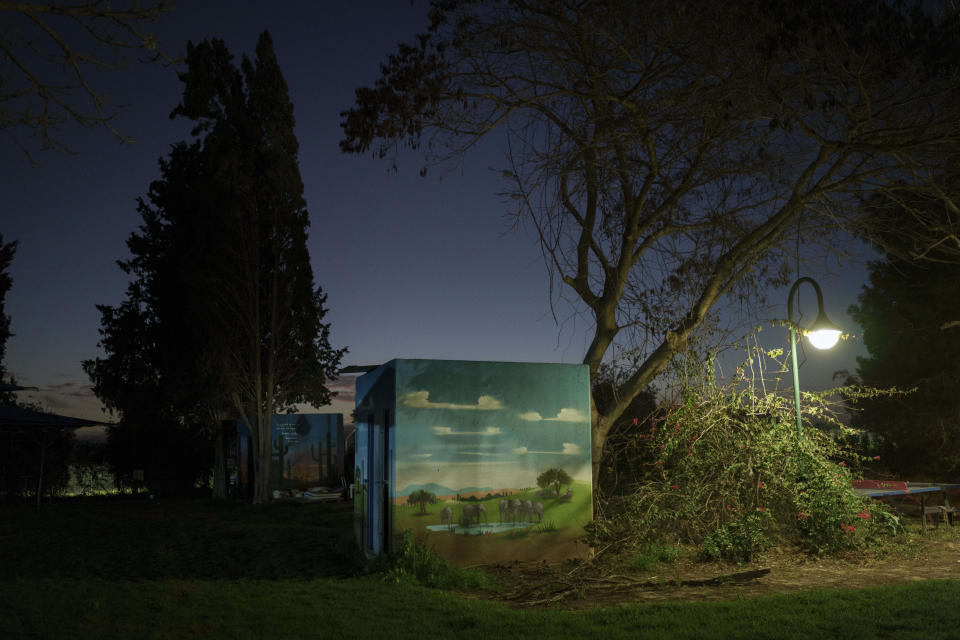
(414, 267)
(492, 424)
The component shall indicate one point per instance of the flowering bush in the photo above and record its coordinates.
(739, 539)
(726, 470)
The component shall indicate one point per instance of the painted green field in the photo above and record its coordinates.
(556, 535)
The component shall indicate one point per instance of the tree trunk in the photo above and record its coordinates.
(597, 438)
(219, 465)
(43, 453)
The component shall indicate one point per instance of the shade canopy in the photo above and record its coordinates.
(4, 386)
(20, 420)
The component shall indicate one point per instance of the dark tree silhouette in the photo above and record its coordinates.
(668, 153)
(50, 50)
(7, 252)
(159, 374)
(224, 293)
(274, 347)
(907, 312)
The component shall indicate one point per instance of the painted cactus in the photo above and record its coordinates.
(318, 458)
(280, 450)
(330, 474)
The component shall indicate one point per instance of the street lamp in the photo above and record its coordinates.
(822, 334)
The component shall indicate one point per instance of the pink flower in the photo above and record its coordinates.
(842, 463)
(863, 514)
(674, 486)
(635, 422)
(729, 507)
(851, 529)
(761, 509)
(876, 457)
(760, 485)
(661, 447)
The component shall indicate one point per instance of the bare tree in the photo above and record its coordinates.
(49, 50)
(666, 152)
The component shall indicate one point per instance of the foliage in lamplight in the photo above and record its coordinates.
(724, 469)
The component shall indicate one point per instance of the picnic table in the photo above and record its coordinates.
(886, 489)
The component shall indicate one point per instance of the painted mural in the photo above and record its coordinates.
(490, 460)
(306, 451)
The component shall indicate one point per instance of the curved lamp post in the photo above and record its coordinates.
(822, 334)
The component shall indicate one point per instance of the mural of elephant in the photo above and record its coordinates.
(537, 510)
(515, 512)
(446, 516)
(526, 510)
(505, 510)
(471, 511)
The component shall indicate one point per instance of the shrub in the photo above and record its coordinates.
(412, 560)
(652, 554)
(738, 540)
(725, 469)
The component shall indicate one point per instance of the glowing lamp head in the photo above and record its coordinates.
(823, 334)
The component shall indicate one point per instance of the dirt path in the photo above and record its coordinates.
(573, 587)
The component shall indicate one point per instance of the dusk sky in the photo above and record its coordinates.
(414, 267)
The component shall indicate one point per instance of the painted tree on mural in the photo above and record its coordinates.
(422, 497)
(554, 476)
(668, 171)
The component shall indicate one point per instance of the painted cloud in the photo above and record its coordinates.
(447, 431)
(569, 449)
(421, 400)
(565, 415)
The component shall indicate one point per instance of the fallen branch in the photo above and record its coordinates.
(624, 583)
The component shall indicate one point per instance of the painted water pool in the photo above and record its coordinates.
(479, 529)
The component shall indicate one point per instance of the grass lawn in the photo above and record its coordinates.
(109, 568)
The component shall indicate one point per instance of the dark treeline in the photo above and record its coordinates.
(221, 319)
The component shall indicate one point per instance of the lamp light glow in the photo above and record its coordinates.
(822, 334)
(823, 338)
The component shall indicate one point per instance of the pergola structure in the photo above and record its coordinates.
(39, 427)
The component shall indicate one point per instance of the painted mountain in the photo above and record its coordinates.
(438, 489)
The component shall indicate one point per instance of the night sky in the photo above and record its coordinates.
(414, 267)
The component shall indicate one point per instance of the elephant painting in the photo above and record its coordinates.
(471, 511)
(537, 510)
(526, 511)
(446, 516)
(515, 512)
(505, 510)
